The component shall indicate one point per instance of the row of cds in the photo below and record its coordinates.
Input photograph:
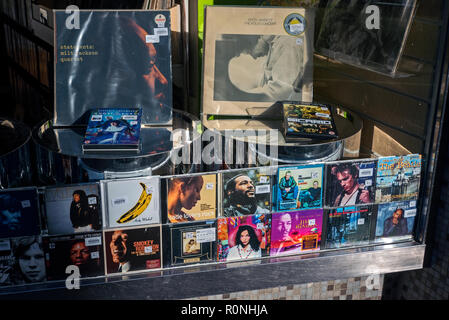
(197, 218)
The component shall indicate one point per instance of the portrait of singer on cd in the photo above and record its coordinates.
(260, 68)
(183, 193)
(347, 190)
(247, 244)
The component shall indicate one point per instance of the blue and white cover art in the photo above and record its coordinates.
(19, 212)
(395, 219)
(113, 128)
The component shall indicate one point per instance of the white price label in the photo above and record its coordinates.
(361, 221)
(93, 241)
(368, 183)
(26, 204)
(95, 255)
(148, 249)
(161, 31)
(368, 172)
(410, 213)
(312, 222)
(92, 200)
(263, 189)
(205, 235)
(152, 38)
(209, 186)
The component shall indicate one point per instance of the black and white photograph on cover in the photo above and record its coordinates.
(369, 34)
(258, 67)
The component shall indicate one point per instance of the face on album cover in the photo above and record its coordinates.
(296, 232)
(350, 183)
(84, 251)
(189, 243)
(133, 249)
(73, 209)
(115, 59)
(19, 213)
(246, 192)
(395, 219)
(299, 187)
(242, 238)
(349, 226)
(398, 178)
(191, 198)
(22, 261)
(132, 202)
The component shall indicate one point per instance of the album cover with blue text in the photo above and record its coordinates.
(395, 220)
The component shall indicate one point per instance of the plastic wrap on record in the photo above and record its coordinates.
(398, 178)
(83, 250)
(350, 182)
(299, 187)
(253, 57)
(395, 221)
(115, 59)
(366, 34)
(131, 202)
(132, 249)
(191, 198)
(19, 212)
(73, 208)
(349, 226)
(296, 232)
(189, 243)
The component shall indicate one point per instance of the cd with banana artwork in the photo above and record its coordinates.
(131, 202)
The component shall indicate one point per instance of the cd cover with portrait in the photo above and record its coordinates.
(296, 232)
(84, 251)
(398, 178)
(253, 57)
(72, 208)
(246, 192)
(132, 249)
(19, 212)
(191, 198)
(243, 238)
(189, 243)
(350, 183)
(299, 187)
(349, 226)
(395, 220)
(131, 202)
(112, 59)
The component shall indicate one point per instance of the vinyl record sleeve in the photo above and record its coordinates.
(257, 231)
(19, 212)
(299, 187)
(189, 243)
(303, 120)
(73, 208)
(131, 202)
(112, 59)
(395, 221)
(246, 192)
(253, 57)
(113, 130)
(83, 250)
(132, 249)
(191, 198)
(350, 226)
(350, 182)
(349, 32)
(398, 178)
(296, 232)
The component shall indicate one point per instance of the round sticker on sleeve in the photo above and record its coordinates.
(160, 20)
(295, 24)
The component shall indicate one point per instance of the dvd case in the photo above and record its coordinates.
(246, 192)
(395, 221)
(191, 198)
(189, 243)
(350, 182)
(245, 237)
(127, 66)
(296, 232)
(72, 209)
(111, 129)
(299, 187)
(132, 249)
(19, 212)
(307, 121)
(350, 226)
(398, 178)
(82, 250)
(253, 57)
(131, 202)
